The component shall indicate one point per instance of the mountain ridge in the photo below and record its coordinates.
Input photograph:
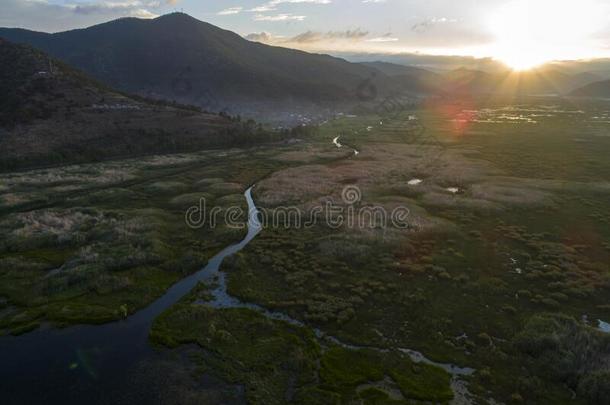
(51, 113)
(200, 63)
(599, 89)
(178, 57)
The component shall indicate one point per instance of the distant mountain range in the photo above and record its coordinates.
(51, 113)
(546, 80)
(599, 89)
(177, 57)
(446, 63)
(420, 80)
(470, 75)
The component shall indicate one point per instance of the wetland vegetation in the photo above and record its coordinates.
(504, 268)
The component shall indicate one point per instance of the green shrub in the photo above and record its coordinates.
(350, 367)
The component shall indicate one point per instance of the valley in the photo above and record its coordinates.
(196, 215)
(507, 241)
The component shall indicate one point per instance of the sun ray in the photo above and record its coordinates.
(530, 33)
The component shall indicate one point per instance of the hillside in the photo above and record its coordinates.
(177, 57)
(599, 89)
(468, 81)
(51, 113)
(417, 79)
(546, 80)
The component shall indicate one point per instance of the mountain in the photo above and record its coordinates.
(393, 69)
(468, 81)
(417, 79)
(177, 57)
(584, 78)
(434, 63)
(545, 80)
(553, 79)
(599, 67)
(599, 89)
(475, 76)
(51, 113)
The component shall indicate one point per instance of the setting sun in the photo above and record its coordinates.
(530, 33)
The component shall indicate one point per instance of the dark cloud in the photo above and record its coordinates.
(429, 23)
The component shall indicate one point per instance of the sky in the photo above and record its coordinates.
(522, 33)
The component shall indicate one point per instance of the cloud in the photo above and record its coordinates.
(313, 36)
(142, 13)
(131, 8)
(264, 37)
(43, 15)
(262, 9)
(279, 17)
(230, 11)
(272, 5)
(429, 23)
(384, 38)
(352, 39)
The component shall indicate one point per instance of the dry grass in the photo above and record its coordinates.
(87, 174)
(10, 199)
(187, 200)
(510, 195)
(224, 188)
(447, 200)
(310, 154)
(170, 160)
(302, 184)
(208, 182)
(482, 187)
(76, 176)
(60, 224)
(167, 187)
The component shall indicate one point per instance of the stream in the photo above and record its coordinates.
(93, 363)
(338, 145)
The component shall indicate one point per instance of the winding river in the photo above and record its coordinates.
(89, 364)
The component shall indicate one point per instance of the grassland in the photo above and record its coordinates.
(94, 243)
(279, 363)
(526, 234)
(504, 266)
